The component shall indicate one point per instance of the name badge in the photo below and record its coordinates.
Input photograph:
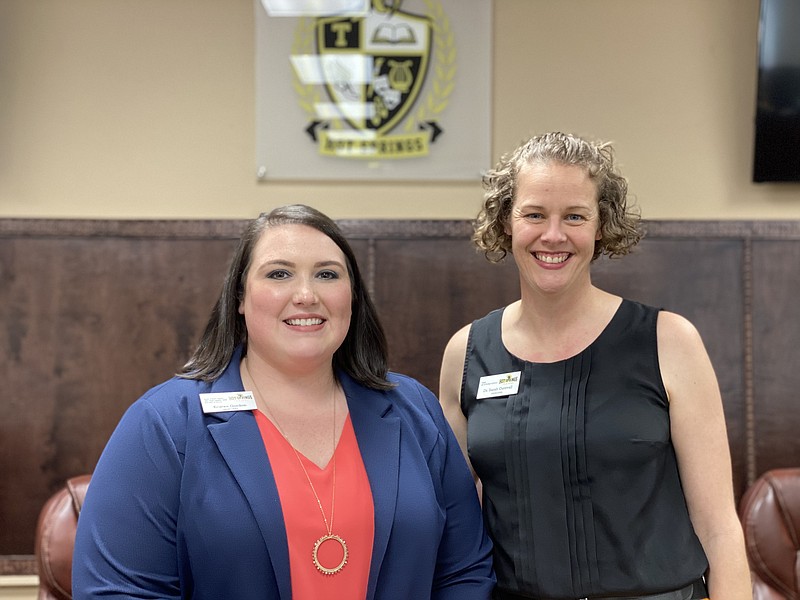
(227, 401)
(504, 384)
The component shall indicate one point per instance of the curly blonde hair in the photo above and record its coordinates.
(620, 225)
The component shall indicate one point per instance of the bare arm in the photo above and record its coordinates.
(450, 387)
(701, 444)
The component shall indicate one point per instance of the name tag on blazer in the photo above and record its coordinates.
(227, 401)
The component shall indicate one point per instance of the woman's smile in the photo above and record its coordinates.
(552, 258)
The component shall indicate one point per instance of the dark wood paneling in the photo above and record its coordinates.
(776, 361)
(95, 312)
(89, 324)
(430, 289)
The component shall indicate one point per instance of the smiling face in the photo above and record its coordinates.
(297, 298)
(554, 225)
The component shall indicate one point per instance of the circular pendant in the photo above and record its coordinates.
(315, 554)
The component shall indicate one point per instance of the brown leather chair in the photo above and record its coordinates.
(770, 514)
(55, 539)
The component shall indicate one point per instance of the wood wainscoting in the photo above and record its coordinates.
(94, 312)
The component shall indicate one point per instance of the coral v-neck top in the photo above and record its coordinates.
(352, 514)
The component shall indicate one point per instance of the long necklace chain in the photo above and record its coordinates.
(328, 525)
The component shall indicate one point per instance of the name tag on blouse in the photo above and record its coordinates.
(227, 401)
(494, 386)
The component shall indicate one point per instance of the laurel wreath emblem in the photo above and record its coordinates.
(308, 94)
(444, 68)
(444, 53)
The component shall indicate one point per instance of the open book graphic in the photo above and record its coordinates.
(386, 33)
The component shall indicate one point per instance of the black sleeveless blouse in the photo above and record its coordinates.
(581, 491)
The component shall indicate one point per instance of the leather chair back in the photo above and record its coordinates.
(55, 539)
(770, 515)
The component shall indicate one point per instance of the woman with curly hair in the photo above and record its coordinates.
(593, 423)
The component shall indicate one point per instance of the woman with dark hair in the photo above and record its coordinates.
(362, 355)
(593, 423)
(285, 461)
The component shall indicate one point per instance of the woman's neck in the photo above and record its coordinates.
(306, 386)
(560, 310)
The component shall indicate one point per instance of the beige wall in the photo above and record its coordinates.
(145, 109)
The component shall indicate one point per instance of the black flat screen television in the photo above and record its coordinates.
(777, 123)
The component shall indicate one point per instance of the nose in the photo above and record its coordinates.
(554, 232)
(305, 294)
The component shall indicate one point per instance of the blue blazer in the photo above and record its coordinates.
(183, 504)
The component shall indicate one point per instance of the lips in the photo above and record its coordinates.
(305, 322)
(552, 258)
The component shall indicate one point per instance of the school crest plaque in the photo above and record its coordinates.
(377, 86)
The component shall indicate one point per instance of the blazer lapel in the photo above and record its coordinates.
(239, 441)
(240, 444)
(377, 431)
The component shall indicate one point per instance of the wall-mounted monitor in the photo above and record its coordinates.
(777, 123)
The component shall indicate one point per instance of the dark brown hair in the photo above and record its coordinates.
(363, 353)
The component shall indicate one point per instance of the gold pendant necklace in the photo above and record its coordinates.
(330, 536)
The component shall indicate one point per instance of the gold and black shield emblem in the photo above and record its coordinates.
(374, 65)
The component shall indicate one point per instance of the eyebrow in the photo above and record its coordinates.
(540, 207)
(288, 263)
